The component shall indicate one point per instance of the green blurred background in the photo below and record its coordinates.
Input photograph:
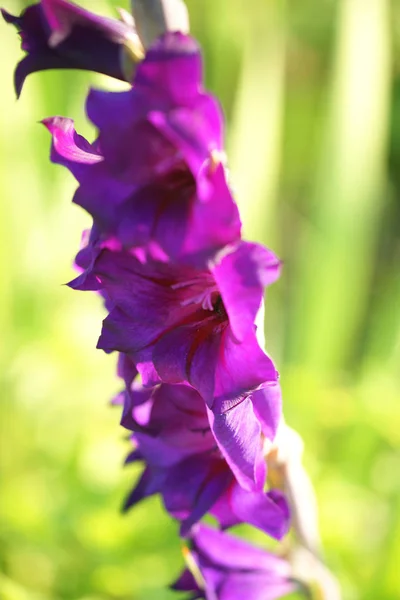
(311, 90)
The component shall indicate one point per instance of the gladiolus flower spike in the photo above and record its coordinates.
(182, 289)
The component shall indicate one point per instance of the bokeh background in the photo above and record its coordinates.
(311, 90)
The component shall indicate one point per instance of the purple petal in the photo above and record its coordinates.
(126, 369)
(240, 368)
(157, 452)
(63, 16)
(215, 220)
(232, 553)
(134, 456)
(213, 362)
(172, 70)
(150, 483)
(238, 435)
(195, 131)
(137, 409)
(188, 354)
(70, 149)
(147, 303)
(134, 149)
(255, 586)
(213, 488)
(158, 213)
(267, 406)
(160, 138)
(223, 513)
(185, 582)
(241, 277)
(268, 512)
(183, 484)
(60, 35)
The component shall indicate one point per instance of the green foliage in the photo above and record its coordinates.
(311, 92)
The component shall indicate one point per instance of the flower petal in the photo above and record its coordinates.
(214, 220)
(215, 486)
(187, 353)
(213, 362)
(229, 552)
(241, 276)
(60, 35)
(145, 299)
(70, 149)
(267, 406)
(172, 69)
(268, 512)
(150, 483)
(255, 586)
(185, 583)
(238, 435)
(195, 131)
(183, 483)
(240, 368)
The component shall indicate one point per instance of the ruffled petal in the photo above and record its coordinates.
(241, 368)
(241, 276)
(267, 406)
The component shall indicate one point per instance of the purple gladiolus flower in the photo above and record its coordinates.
(227, 568)
(184, 464)
(181, 324)
(154, 178)
(59, 35)
(174, 416)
